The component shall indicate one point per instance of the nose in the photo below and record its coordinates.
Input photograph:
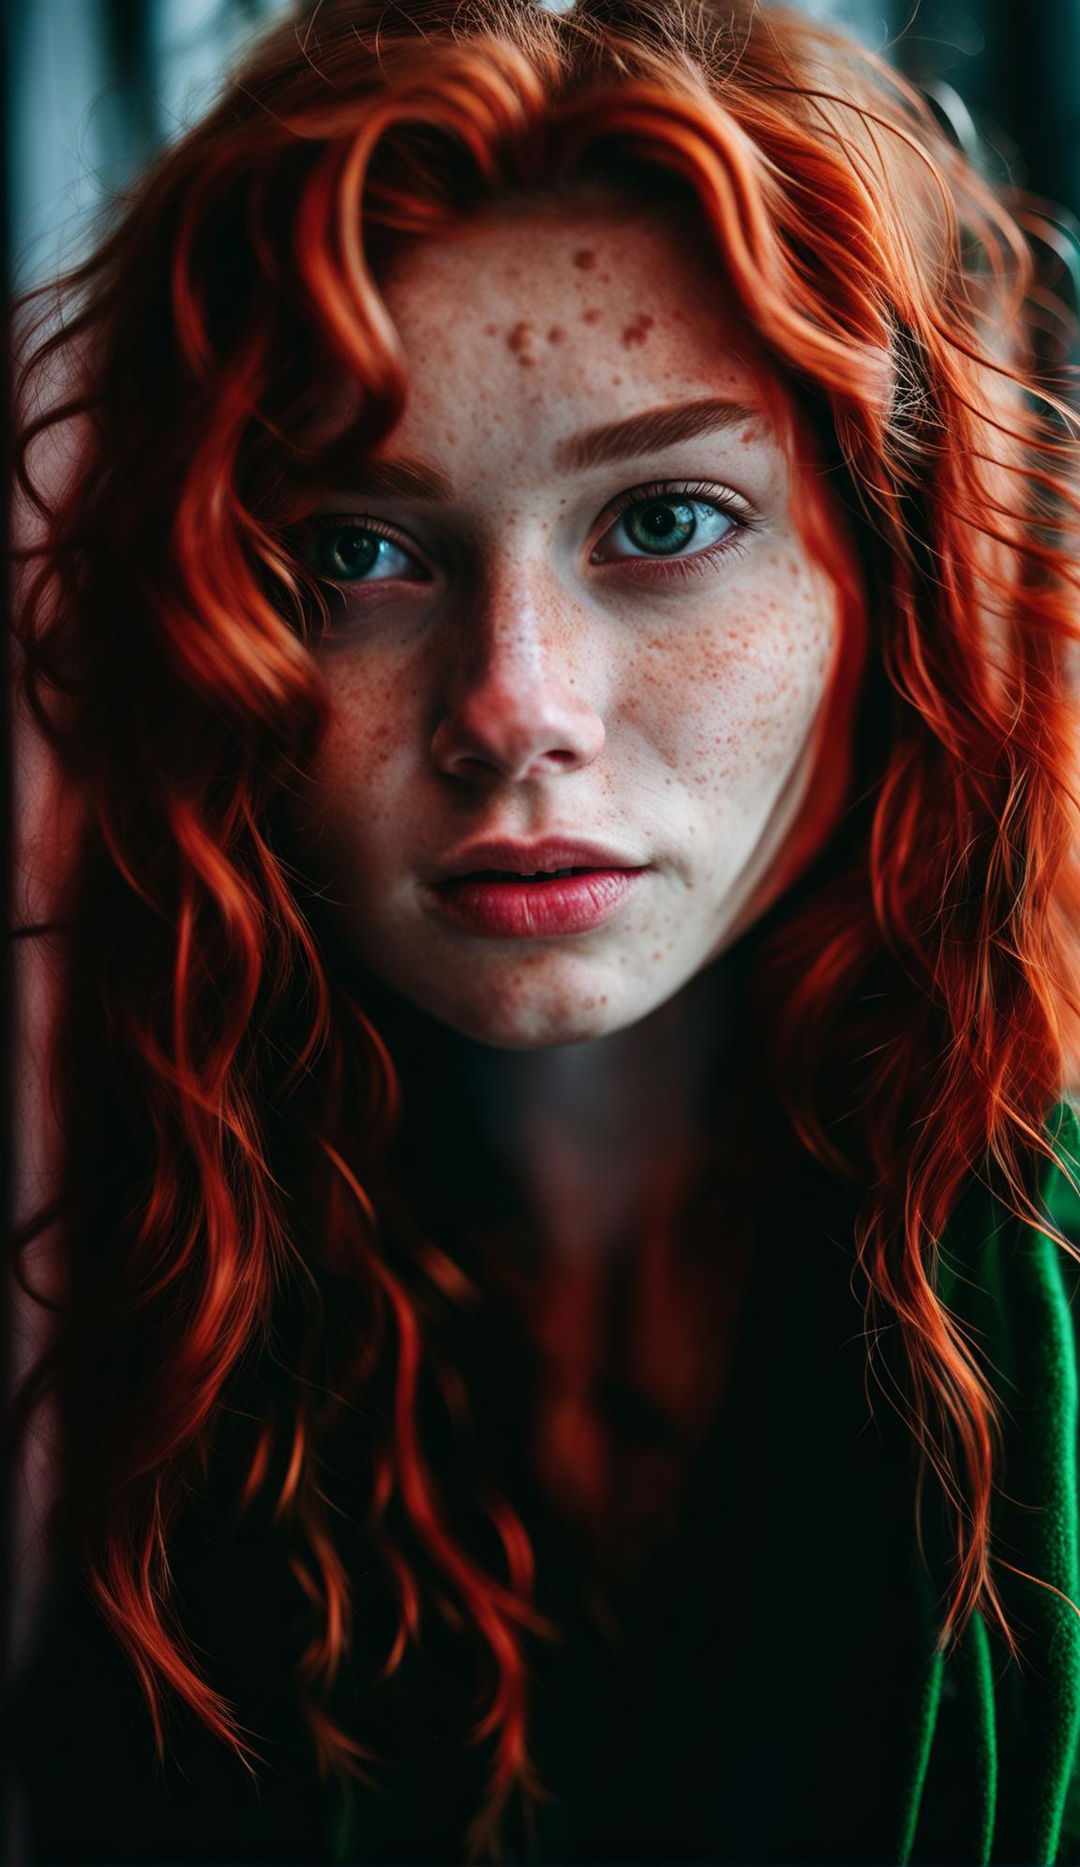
(512, 710)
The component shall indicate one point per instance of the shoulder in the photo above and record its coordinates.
(1010, 1281)
(1061, 1182)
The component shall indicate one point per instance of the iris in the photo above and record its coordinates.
(661, 525)
(346, 551)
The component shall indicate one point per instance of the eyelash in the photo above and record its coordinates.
(696, 561)
(325, 522)
(691, 565)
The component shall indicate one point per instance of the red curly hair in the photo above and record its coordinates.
(225, 1105)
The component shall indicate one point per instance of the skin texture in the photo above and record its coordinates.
(517, 664)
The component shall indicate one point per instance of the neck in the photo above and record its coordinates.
(569, 1133)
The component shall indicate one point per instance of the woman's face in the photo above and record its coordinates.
(573, 600)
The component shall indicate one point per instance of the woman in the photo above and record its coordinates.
(559, 620)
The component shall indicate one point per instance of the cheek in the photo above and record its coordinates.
(363, 767)
(742, 694)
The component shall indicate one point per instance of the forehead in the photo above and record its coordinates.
(535, 316)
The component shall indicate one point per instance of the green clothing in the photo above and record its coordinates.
(785, 1701)
(1022, 1732)
(779, 1699)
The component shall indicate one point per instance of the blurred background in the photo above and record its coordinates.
(97, 85)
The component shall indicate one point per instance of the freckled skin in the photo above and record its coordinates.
(519, 342)
(637, 331)
(506, 681)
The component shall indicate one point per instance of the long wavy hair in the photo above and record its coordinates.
(223, 1208)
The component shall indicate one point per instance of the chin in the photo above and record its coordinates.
(529, 1015)
(522, 1029)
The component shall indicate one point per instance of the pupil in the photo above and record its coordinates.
(349, 552)
(662, 525)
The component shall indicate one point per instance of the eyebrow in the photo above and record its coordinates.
(655, 429)
(403, 479)
(594, 447)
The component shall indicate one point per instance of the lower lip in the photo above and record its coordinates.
(531, 910)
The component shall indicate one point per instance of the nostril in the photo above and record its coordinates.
(541, 729)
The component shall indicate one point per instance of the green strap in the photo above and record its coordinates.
(1052, 1281)
(975, 1681)
(986, 1745)
(929, 1700)
(1035, 1281)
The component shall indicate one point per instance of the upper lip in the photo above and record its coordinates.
(552, 852)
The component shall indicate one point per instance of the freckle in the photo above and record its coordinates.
(585, 259)
(638, 330)
(556, 334)
(592, 316)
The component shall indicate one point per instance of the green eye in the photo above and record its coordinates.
(345, 552)
(663, 525)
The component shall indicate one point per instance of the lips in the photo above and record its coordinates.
(498, 860)
(513, 875)
(558, 886)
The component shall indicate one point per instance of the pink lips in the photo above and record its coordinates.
(477, 888)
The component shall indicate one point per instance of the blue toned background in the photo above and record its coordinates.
(97, 85)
